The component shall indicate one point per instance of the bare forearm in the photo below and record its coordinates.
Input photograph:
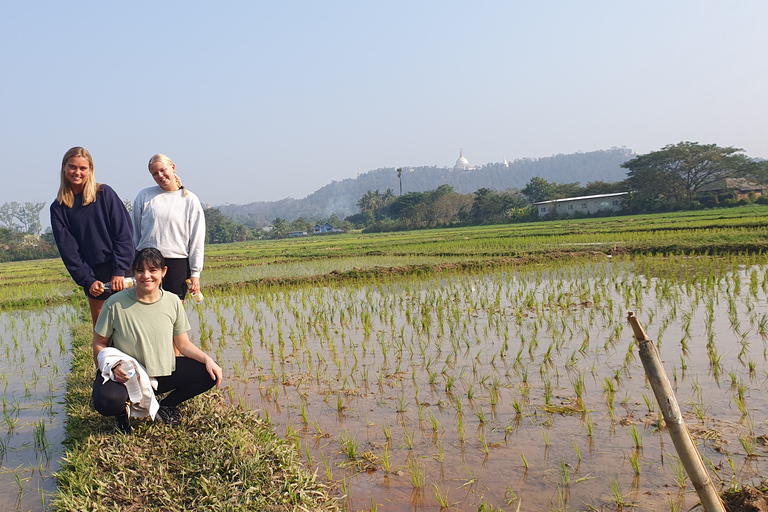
(99, 343)
(189, 350)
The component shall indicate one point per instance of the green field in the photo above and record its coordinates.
(480, 368)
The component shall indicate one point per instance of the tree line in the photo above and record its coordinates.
(220, 229)
(679, 176)
(20, 237)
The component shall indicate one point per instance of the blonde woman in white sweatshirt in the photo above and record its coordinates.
(170, 218)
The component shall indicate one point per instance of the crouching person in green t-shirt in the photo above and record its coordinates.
(145, 323)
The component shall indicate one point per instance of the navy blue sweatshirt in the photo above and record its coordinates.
(95, 234)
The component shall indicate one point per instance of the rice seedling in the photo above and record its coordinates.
(349, 446)
(434, 422)
(483, 443)
(417, 474)
(408, 439)
(748, 445)
(40, 440)
(636, 437)
(387, 430)
(576, 449)
(619, 498)
(385, 459)
(565, 475)
(441, 496)
(678, 471)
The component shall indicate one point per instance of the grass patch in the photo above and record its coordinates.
(221, 457)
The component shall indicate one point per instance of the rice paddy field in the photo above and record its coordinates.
(469, 369)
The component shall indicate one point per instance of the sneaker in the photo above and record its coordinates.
(123, 424)
(169, 414)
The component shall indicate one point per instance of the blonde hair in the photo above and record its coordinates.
(65, 195)
(167, 161)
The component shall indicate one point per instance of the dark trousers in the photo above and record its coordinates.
(175, 280)
(189, 380)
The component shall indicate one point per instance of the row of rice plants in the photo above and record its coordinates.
(314, 267)
(33, 282)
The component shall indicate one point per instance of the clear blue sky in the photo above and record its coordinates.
(264, 100)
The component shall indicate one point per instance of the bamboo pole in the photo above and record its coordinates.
(681, 438)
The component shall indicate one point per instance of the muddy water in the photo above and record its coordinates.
(506, 388)
(34, 361)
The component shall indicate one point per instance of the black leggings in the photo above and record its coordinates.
(189, 380)
(175, 280)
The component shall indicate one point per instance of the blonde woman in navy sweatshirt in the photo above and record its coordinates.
(92, 228)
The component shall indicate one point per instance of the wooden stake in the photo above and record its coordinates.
(681, 438)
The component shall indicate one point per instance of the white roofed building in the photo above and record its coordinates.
(583, 204)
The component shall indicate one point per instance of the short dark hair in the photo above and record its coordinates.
(148, 258)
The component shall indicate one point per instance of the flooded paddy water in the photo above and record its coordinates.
(510, 388)
(506, 389)
(34, 362)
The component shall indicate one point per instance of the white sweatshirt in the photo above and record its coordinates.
(172, 223)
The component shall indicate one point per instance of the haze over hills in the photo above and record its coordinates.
(340, 197)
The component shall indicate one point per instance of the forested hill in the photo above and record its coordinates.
(340, 197)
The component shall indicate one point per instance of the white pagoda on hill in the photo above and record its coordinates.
(462, 164)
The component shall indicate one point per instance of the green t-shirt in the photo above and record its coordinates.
(144, 331)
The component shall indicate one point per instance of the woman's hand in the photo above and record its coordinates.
(96, 289)
(118, 283)
(214, 370)
(195, 285)
(120, 375)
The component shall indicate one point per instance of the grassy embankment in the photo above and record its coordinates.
(220, 458)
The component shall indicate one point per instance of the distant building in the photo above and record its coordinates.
(462, 164)
(325, 228)
(297, 233)
(739, 187)
(583, 204)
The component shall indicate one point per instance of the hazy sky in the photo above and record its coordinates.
(264, 100)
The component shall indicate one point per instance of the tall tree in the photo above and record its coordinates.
(30, 217)
(8, 214)
(489, 206)
(677, 171)
(389, 196)
(538, 189)
(371, 201)
(280, 227)
(22, 217)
